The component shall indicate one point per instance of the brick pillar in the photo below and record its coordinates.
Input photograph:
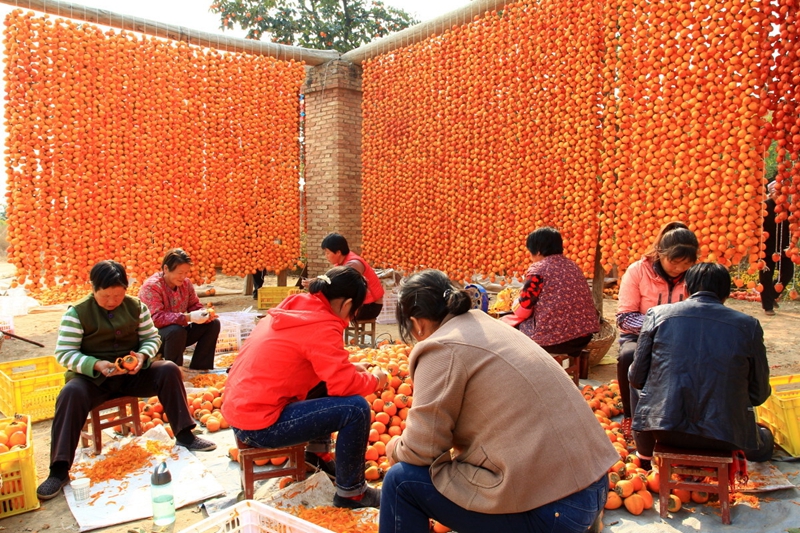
(333, 157)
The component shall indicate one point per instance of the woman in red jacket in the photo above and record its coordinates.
(293, 382)
(655, 279)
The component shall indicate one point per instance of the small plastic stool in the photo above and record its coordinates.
(294, 467)
(112, 413)
(362, 329)
(693, 463)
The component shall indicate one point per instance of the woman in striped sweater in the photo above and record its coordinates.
(94, 332)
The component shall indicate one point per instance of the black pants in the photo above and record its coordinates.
(175, 339)
(369, 311)
(624, 361)
(258, 281)
(769, 294)
(572, 347)
(80, 395)
(646, 442)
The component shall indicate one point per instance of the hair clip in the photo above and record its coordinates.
(447, 293)
(324, 278)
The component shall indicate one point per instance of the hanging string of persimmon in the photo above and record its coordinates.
(121, 146)
(680, 94)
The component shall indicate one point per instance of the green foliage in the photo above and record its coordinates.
(340, 25)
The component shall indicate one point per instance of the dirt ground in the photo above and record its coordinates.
(782, 333)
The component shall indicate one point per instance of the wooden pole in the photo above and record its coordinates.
(423, 30)
(176, 33)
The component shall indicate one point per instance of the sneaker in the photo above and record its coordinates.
(372, 498)
(315, 463)
(50, 487)
(199, 445)
(597, 525)
(626, 428)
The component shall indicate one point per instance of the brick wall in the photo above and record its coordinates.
(333, 157)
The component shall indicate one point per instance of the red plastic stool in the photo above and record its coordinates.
(109, 414)
(294, 467)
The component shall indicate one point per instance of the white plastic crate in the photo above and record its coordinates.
(387, 314)
(7, 324)
(228, 340)
(246, 321)
(254, 517)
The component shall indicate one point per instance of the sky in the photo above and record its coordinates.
(194, 14)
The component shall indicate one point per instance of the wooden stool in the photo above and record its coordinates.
(693, 463)
(294, 467)
(578, 366)
(109, 414)
(360, 332)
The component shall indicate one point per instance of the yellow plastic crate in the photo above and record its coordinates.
(17, 467)
(254, 517)
(31, 386)
(269, 297)
(781, 412)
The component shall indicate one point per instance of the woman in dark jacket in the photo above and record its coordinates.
(701, 367)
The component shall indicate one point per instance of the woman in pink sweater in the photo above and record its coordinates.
(655, 279)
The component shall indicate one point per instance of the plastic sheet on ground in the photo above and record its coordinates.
(119, 501)
(315, 491)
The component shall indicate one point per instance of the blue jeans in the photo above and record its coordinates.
(408, 499)
(317, 419)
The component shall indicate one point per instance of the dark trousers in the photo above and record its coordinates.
(572, 347)
(624, 361)
(409, 499)
(769, 294)
(646, 442)
(175, 339)
(80, 395)
(369, 311)
(258, 281)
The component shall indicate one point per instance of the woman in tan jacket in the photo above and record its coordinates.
(498, 438)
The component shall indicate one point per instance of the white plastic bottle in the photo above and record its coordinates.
(162, 496)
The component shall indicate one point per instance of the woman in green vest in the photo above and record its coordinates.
(94, 332)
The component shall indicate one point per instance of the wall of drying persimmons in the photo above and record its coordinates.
(121, 146)
(604, 119)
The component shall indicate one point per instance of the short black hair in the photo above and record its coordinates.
(107, 274)
(335, 243)
(430, 295)
(710, 277)
(175, 258)
(341, 282)
(545, 241)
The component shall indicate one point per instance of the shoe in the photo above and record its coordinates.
(776, 305)
(597, 525)
(372, 498)
(769, 312)
(626, 428)
(315, 463)
(50, 487)
(199, 445)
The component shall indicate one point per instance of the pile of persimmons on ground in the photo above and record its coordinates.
(631, 486)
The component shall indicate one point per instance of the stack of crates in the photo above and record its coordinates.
(18, 471)
(269, 297)
(31, 386)
(246, 321)
(228, 340)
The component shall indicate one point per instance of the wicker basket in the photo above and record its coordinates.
(601, 342)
